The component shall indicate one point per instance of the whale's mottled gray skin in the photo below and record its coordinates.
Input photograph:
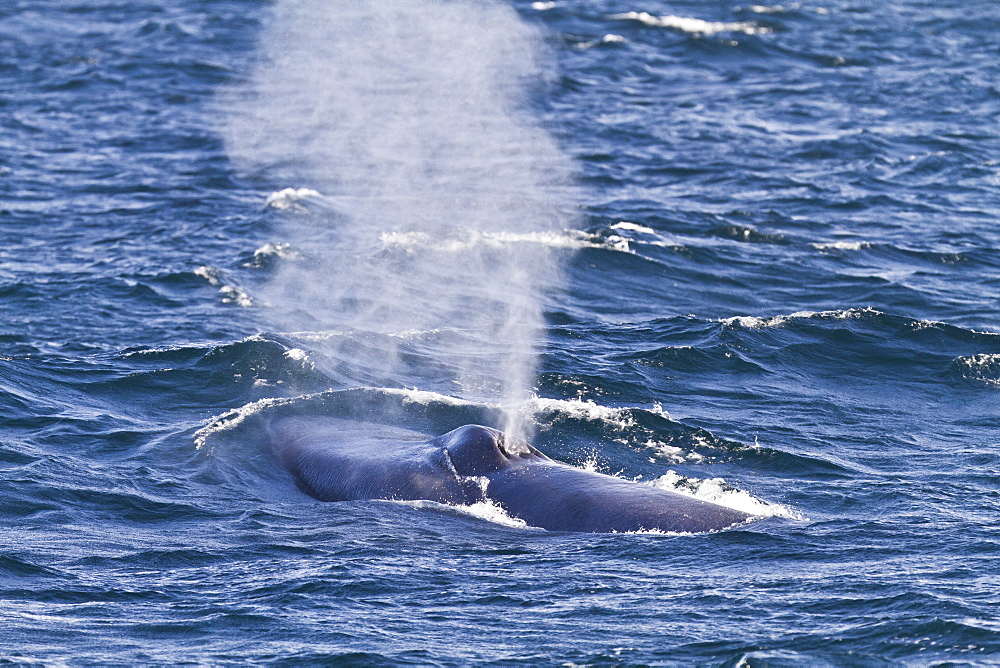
(474, 463)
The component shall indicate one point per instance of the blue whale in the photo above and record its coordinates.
(474, 464)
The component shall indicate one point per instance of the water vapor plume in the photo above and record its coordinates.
(413, 120)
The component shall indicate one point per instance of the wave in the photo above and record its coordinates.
(289, 199)
(756, 322)
(572, 430)
(231, 293)
(270, 253)
(982, 367)
(605, 40)
(692, 26)
(579, 426)
(781, 9)
(464, 240)
(866, 316)
(485, 510)
(718, 491)
(842, 245)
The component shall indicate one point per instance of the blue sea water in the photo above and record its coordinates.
(778, 288)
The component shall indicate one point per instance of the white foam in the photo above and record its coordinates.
(412, 240)
(579, 409)
(657, 409)
(926, 324)
(657, 532)
(485, 510)
(317, 337)
(232, 294)
(582, 409)
(210, 274)
(327, 335)
(673, 453)
(984, 367)
(232, 418)
(717, 491)
(616, 243)
(633, 227)
(413, 334)
(590, 464)
(283, 251)
(651, 237)
(425, 397)
(755, 322)
(542, 6)
(570, 239)
(288, 199)
(842, 245)
(493, 512)
(609, 38)
(776, 9)
(691, 25)
(154, 351)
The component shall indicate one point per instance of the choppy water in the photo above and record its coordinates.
(781, 290)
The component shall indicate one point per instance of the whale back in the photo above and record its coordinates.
(475, 450)
(559, 497)
(339, 460)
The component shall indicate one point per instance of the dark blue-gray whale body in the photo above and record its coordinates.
(473, 464)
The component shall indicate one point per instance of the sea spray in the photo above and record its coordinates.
(413, 116)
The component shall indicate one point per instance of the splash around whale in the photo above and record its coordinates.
(474, 464)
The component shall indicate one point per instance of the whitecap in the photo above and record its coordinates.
(231, 294)
(414, 334)
(983, 367)
(279, 250)
(719, 492)
(484, 510)
(755, 322)
(210, 274)
(493, 512)
(288, 199)
(673, 453)
(775, 9)
(610, 38)
(317, 337)
(581, 409)
(425, 397)
(633, 227)
(233, 418)
(691, 25)
(842, 245)
(568, 239)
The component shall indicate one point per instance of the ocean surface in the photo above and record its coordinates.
(750, 253)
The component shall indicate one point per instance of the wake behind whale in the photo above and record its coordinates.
(474, 464)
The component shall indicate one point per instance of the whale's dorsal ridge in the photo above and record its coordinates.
(337, 460)
(477, 450)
